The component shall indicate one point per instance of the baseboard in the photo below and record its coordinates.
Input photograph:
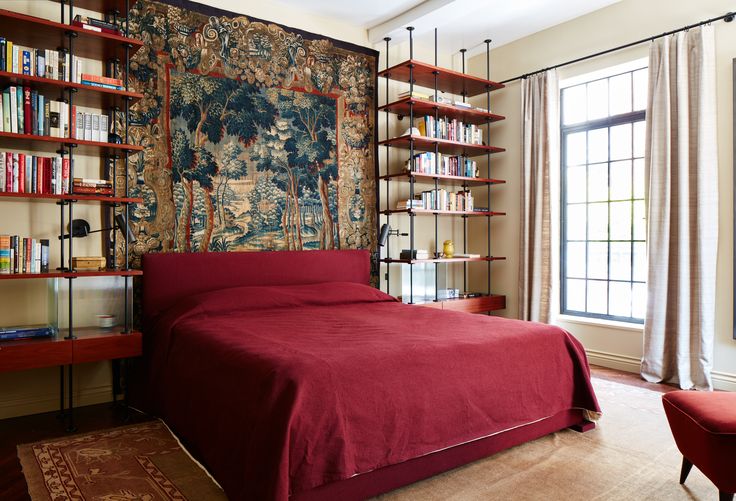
(34, 404)
(614, 361)
(721, 380)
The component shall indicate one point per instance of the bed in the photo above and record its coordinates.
(289, 377)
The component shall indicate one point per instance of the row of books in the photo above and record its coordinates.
(21, 173)
(452, 130)
(30, 331)
(441, 199)
(25, 111)
(439, 99)
(52, 64)
(446, 165)
(23, 255)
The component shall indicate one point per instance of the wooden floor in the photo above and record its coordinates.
(25, 429)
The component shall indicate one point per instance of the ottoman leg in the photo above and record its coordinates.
(685, 471)
(725, 496)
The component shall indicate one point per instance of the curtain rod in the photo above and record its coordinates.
(728, 17)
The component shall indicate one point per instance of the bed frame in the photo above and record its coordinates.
(169, 277)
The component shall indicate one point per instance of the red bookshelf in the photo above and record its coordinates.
(45, 197)
(450, 81)
(99, 5)
(444, 146)
(443, 212)
(49, 144)
(423, 108)
(445, 178)
(445, 260)
(71, 274)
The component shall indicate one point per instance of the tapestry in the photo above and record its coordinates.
(256, 136)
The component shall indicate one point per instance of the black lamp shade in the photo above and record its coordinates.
(383, 237)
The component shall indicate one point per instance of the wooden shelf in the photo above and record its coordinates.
(41, 33)
(71, 274)
(103, 6)
(444, 178)
(450, 81)
(91, 344)
(444, 146)
(444, 260)
(45, 197)
(84, 95)
(423, 108)
(443, 212)
(50, 144)
(480, 304)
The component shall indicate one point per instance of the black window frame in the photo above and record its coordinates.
(590, 125)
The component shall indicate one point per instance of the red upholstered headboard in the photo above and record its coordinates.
(168, 277)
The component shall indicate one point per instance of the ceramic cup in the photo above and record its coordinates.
(106, 321)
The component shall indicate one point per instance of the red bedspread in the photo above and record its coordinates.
(281, 389)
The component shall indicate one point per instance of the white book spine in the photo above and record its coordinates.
(103, 128)
(95, 127)
(2, 171)
(13, 109)
(87, 127)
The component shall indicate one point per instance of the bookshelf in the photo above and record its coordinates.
(445, 115)
(75, 344)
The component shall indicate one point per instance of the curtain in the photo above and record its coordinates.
(540, 137)
(682, 168)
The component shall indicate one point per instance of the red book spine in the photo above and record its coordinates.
(47, 175)
(92, 191)
(27, 111)
(27, 265)
(73, 122)
(21, 173)
(65, 175)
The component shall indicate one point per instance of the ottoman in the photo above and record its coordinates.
(704, 427)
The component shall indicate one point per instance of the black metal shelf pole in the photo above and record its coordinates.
(412, 179)
(488, 157)
(465, 189)
(126, 159)
(388, 183)
(437, 253)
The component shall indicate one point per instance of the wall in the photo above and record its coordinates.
(629, 20)
(24, 301)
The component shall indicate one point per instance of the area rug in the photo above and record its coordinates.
(629, 456)
(142, 462)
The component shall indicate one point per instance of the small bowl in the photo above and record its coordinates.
(106, 321)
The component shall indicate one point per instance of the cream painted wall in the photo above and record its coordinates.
(620, 23)
(24, 301)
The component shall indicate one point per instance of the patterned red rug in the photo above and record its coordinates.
(139, 462)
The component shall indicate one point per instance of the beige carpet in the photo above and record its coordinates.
(629, 456)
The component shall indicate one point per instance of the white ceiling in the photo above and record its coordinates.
(460, 23)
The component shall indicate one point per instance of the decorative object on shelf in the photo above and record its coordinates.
(448, 249)
(88, 263)
(114, 138)
(222, 203)
(106, 321)
(386, 232)
(80, 228)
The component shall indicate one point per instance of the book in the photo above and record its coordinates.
(6, 111)
(79, 125)
(87, 77)
(5, 254)
(13, 98)
(417, 254)
(95, 127)
(87, 127)
(26, 58)
(89, 190)
(102, 85)
(91, 181)
(54, 119)
(8, 333)
(96, 22)
(103, 128)
(27, 120)
(466, 255)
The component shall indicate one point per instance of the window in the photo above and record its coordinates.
(603, 251)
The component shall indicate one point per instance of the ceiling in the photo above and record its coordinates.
(460, 23)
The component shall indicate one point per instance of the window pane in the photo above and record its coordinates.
(597, 182)
(620, 94)
(598, 99)
(640, 262)
(639, 301)
(621, 142)
(576, 259)
(621, 180)
(597, 296)
(598, 260)
(576, 184)
(576, 148)
(619, 300)
(640, 222)
(598, 146)
(641, 79)
(576, 222)
(639, 178)
(598, 221)
(620, 261)
(575, 297)
(639, 138)
(574, 102)
(620, 220)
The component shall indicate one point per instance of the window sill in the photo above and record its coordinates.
(598, 322)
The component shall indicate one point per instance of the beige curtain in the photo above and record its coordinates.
(682, 165)
(540, 136)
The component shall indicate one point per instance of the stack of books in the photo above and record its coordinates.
(406, 254)
(85, 186)
(23, 255)
(98, 25)
(104, 82)
(20, 173)
(415, 94)
(8, 333)
(44, 63)
(409, 204)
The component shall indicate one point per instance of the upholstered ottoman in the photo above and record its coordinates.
(704, 427)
